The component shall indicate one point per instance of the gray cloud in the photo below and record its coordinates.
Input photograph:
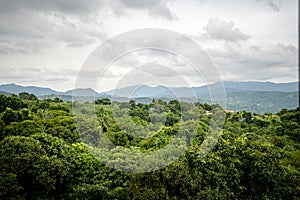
(67, 6)
(261, 56)
(87, 7)
(141, 4)
(155, 69)
(26, 31)
(29, 75)
(155, 7)
(163, 11)
(222, 30)
(30, 25)
(264, 62)
(271, 4)
(40, 32)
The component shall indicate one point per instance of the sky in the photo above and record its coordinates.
(46, 42)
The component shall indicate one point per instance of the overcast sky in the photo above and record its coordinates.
(45, 42)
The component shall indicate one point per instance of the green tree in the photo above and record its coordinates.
(103, 101)
(27, 96)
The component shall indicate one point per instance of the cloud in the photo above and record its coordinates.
(66, 6)
(222, 30)
(155, 66)
(253, 62)
(155, 8)
(61, 33)
(86, 7)
(163, 11)
(155, 69)
(32, 75)
(261, 56)
(141, 4)
(31, 25)
(271, 4)
(26, 31)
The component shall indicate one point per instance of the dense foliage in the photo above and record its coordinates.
(43, 156)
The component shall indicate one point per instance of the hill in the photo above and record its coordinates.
(16, 89)
(258, 97)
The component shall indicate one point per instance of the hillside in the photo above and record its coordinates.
(258, 97)
(157, 151)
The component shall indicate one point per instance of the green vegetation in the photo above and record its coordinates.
(47, 152)
(261, 101)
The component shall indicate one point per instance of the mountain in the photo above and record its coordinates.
(5, 93)
(16, 89)
(40, 91)
(261, 101)
(258, 97)
(261, 86)
(139, 91)
(83, 92)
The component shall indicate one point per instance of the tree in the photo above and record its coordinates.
(27, 96)
(247, 116)
(21, 159)
(12, 102)
(44, 105)
(103, 101)
(57, 100)
(42, 156)
(10, 116)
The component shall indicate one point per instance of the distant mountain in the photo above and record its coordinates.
(16, 89)
(40, 91)
(262, 101)
(139, 91)
(259, 97)
(261, 86)
(5, 93)
(83, 92)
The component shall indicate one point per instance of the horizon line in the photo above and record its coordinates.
(63, 91)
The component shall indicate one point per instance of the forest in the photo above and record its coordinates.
(51, 149)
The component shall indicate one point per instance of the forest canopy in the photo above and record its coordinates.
(48, 151)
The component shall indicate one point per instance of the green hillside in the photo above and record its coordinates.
(49, 152)
(262, 102)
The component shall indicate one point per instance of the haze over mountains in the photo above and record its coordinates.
(157, 91)
(256, 97)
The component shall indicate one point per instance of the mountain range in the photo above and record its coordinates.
(138, 91)
(253, 96)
